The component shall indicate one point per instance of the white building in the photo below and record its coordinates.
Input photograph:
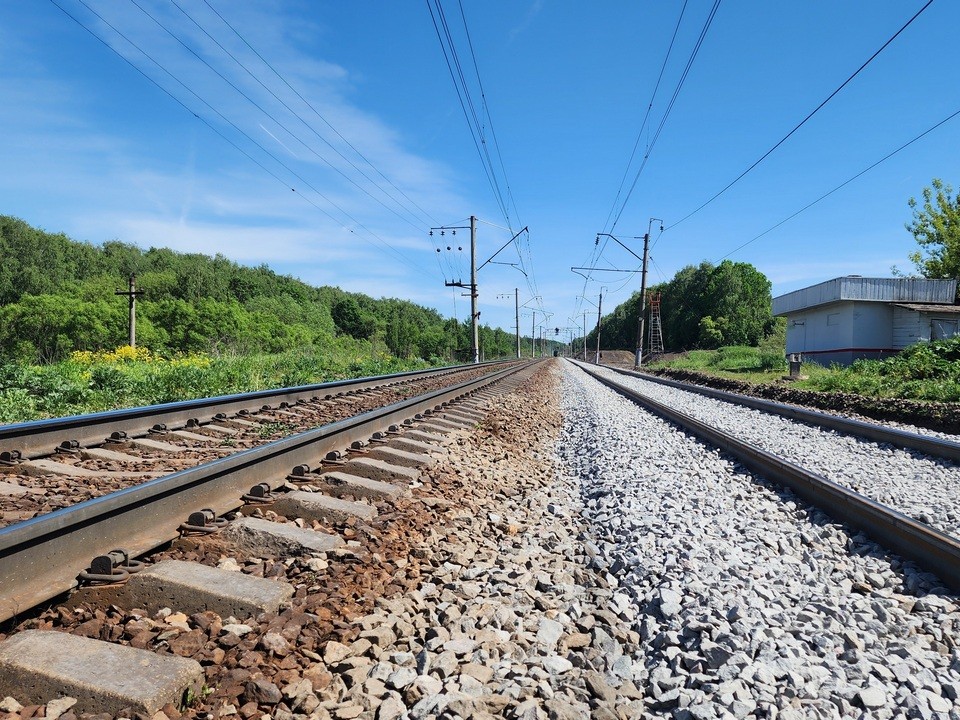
(847, 318)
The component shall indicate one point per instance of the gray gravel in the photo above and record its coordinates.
(922, 487)
(748, 603)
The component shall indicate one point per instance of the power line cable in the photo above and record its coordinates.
(810, 115)
(646, 116)
(206, 122)
(486, 110)
(844, 183)
(259, 107)
(669, 109)
(316, 112)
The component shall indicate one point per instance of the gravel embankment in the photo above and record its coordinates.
(471, 599)
(748, 602)
(573, 557)
(917, 415)
(922, 487)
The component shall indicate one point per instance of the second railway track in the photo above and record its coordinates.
(903, 498)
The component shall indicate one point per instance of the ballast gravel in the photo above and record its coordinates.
(748, 602)
(920, 486)
(572, 557)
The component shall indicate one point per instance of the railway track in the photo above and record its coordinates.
(643, 573)
(848, 468)
(51, 464)
(748, 599)
(43, 556)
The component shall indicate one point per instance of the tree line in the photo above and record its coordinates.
(703, 306)
(57, 295)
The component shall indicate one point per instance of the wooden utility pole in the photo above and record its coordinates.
(132, 293)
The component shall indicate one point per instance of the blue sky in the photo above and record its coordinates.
(91, 147)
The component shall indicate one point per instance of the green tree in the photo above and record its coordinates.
(350, 319)
(703, 305)
(936, 228)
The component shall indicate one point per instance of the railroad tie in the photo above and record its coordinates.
(258, 536)
(37, 665)
(317, 506)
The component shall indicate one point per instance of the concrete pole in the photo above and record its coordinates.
(516, 309)
(584, 336)
(131, 294)
(133, 311)
(533, 336)
(474, 319)
(599, 315)
(643, 302)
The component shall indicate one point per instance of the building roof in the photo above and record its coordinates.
(854, 287)
(931, 308)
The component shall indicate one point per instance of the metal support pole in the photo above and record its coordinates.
(643, 302)
(584, 336)
(533, 336)
(599, 315)
(516, 305)
(474, 318)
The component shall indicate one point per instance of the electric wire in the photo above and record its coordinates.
(810, 115)
(218, 132)
(844, 183)
(486, 110)
(669, 109)
(466, 101)
(646, 116)
(263, 110)
(316, 112)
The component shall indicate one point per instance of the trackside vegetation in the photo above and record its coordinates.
(205, 326)
(928, 371)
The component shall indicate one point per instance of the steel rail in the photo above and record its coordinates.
(42, 437)
(937, 447)
(934, 551)
(41, 558)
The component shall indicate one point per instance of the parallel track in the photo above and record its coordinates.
(43, 437)
(929, 548)
(41, 558)
(947, 449)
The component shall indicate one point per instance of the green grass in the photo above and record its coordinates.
(925, 371)
(93, 382)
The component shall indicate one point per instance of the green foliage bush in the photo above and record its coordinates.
(925, 371)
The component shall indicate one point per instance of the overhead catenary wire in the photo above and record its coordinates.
(218, 132)
(666, 114)
(320, 116)
(646, 117)
(480, 124)
(844, 183)
(807, 118)
(263, 110)
(486, 109)
(466, 100)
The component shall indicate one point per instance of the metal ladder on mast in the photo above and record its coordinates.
(655, 342)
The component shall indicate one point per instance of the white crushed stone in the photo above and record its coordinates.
(920, 486)
(748, 602)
